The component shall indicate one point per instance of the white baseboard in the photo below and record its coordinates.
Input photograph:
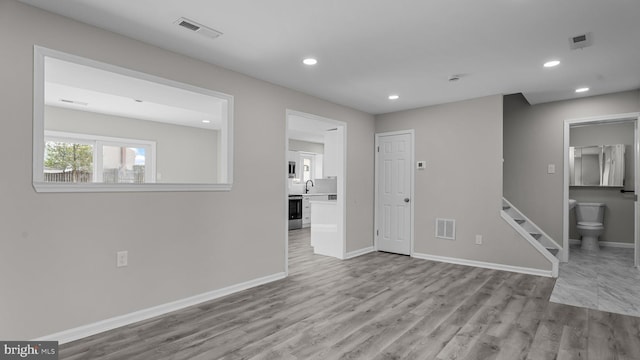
(126, 319)
(606, 244)
(360, 252)
(616, 244)
(486, 265)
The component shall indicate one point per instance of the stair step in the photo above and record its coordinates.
(553, 251)
(536, 235)
(520, 221)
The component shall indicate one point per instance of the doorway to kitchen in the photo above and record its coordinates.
(315, 158)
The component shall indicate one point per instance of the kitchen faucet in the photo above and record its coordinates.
(306, 189)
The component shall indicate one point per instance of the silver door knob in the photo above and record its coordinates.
(406, 200)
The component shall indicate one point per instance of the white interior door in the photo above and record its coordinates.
(394, 180)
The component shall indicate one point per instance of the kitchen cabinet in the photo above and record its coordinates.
(306, 206)
(330, 154)
(325, 238)
(306, 211)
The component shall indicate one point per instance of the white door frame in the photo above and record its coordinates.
(341, 202)
(410, 132)
(565, 196)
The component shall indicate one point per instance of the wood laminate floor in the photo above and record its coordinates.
(376, 306)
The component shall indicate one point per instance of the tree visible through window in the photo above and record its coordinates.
(82, 158)
(68, 162)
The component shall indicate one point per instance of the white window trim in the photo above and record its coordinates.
(312, 158)
(99, 141)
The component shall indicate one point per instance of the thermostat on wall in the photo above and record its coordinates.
(421, 165)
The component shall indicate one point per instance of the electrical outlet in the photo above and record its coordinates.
(551, 169)
(478, 239)
(122, 258)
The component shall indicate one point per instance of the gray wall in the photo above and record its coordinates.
(462, 145)
(312, 147)
(533, 138)
(58, 271)
(618, 217)
(181, 151)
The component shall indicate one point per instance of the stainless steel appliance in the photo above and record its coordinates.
(295, 212)
(292, 169)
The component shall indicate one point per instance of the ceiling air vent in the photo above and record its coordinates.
(580, 41)
(199, 28)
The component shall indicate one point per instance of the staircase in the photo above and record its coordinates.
(532, 233)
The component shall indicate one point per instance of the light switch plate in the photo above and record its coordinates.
(551, 169)
(122, 258)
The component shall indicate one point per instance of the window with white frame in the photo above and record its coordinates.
(307, 160)
(84, 158)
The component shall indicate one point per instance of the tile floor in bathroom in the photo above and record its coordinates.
(605, 281)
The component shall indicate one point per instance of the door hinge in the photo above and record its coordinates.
(378, 148)
(377, 232)
(636, 197)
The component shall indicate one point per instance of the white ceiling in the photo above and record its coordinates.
(307, 129)
(84, 88)
(368, 49)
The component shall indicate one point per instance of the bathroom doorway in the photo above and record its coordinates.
(600, 256)
(596, 138)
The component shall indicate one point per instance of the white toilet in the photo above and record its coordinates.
(590, 218)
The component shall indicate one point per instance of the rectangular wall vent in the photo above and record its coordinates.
(446, 229)
(197, 27)
(580, 41)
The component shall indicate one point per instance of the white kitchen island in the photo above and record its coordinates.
(325, 238)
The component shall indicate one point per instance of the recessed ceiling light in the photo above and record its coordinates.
(206, 121)
(197, 27)
(551, 63)
(582, 89)
(394, 97)
(74, 102)
(309, 61)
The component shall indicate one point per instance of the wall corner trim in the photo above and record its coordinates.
(486, 265)
(80, 332)
(360, 252)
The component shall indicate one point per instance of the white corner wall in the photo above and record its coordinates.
(57, 251)
(533, 138)
(461, 143)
